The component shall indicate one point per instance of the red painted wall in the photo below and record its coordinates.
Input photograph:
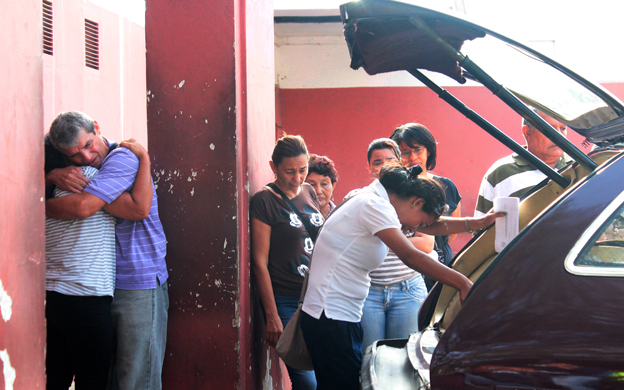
(267, 370)
(341, 122)
(22, 260)
(211, 126)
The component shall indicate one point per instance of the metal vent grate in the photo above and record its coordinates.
(92, 44)
(48, 42)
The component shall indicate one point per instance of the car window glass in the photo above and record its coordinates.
(538, 83)
(606, 247)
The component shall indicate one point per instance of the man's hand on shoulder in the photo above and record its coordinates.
(136, 205)
(134, 147)
(67, 179)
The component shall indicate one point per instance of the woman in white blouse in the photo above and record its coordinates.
(354, 241)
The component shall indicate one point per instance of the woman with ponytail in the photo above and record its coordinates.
(355, 240)
(419, 147)
(396, 291)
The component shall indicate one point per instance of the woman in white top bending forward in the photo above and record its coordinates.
(397, 291)
(354, 241)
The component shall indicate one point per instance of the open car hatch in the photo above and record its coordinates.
(385, 36)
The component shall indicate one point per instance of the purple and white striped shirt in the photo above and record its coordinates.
(140, 245)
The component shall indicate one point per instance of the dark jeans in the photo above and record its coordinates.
(336, 351)
(80, 341)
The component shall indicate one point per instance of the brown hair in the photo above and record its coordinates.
(288, 146)
(324, 166)
(383, 143)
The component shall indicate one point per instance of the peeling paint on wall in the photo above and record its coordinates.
(267, 383)
(35, 258)
(236, 319)
(6, 304)
(7, 370)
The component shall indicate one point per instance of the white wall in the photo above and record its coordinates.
(583, 36)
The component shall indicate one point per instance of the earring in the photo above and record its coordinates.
(412, 206)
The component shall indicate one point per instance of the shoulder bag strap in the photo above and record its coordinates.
(313, 234)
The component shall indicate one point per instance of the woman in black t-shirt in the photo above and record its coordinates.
(281, 244)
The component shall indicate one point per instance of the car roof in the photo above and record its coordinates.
(385, 36)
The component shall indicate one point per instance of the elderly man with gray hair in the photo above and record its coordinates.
(513, 176)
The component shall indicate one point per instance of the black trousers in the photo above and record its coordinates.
(336, 351)
(80, 341)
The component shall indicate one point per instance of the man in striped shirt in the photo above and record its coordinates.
(80, 281)
(140, 305)
(512, 176)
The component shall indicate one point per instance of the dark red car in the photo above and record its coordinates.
(548, 311)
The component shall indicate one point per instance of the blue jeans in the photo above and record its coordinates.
(301, 379)
(391, 312)
(140, 326)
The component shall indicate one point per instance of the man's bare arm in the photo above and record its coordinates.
(131, 206)
(74, 206)
(135, 205)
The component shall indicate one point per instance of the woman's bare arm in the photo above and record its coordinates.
(423, 242)
(446, 226)
(422, 263)
(456, 214)
(260, 244)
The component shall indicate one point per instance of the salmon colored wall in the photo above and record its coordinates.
(341, 122)
(22, 259)
(268, 371)
(114, 95)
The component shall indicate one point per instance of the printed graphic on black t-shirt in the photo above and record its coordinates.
(291, 246)
(316, 219)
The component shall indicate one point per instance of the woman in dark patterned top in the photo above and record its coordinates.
(281, 245)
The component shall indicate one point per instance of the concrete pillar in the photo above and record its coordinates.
(211, 129)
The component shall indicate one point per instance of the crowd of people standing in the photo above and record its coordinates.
(368, 257)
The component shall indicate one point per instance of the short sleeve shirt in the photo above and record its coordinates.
(140, 245)
(80, 253)
(346, 251)
(291, 246)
